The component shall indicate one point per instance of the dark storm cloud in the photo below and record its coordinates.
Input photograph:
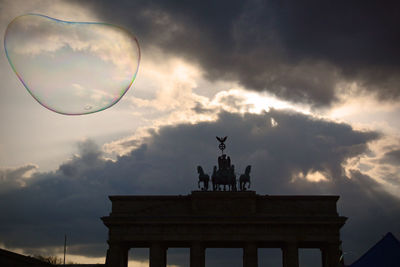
(392, 157)
(72, 199)
(14, 177)
(299, 50)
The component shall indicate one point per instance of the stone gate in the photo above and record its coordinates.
(206, 219)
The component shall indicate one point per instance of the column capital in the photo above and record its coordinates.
(197, 243)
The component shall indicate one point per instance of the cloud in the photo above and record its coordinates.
(199, 108)
(392, 157)
(301, 51)
(73, 198)
(12, 178)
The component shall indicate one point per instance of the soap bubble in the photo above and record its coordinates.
(72, 68)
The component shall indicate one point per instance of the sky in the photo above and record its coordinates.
(307, 92)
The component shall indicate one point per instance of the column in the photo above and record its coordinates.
(197, 255)
(158, 255)
(290, 255)
(250, 256)
(324, 257)
(117, 255)
(330, 255)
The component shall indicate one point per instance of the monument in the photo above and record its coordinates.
(228, 216)
(224, 178)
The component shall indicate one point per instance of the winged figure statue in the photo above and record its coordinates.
(221, 139)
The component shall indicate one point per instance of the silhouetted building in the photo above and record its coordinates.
(385, 253)
(12, 259)
(222, 219)
(82, 265)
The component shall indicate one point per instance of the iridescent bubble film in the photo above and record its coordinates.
(72, 68)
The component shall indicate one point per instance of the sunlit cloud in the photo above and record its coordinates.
(376, 166)
(311, 176)
(363, 110)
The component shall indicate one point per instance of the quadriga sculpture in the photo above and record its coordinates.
(245, 179)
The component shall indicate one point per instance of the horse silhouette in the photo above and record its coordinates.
(203, 178)
(244, 179)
